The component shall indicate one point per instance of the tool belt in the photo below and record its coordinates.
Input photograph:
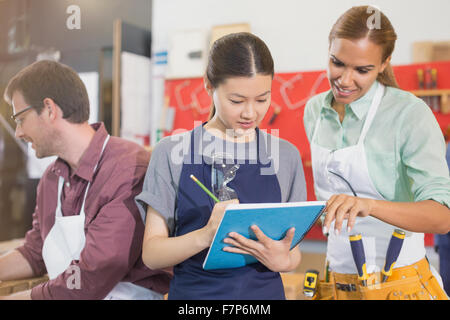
(413, 282)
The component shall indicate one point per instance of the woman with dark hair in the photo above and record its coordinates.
(378, 158)
(254, 166)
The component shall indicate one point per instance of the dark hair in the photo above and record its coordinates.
(50, 79)
(237, 55)
(353, 25)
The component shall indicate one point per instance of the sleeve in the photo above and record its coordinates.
(297, 190)
(309, 118)
(448, 155)
(31, 250)
(113, 246)
(423, 155)
(159, 190)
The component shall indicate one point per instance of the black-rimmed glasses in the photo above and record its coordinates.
(14, 116)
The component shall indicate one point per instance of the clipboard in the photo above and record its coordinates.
(274, 219)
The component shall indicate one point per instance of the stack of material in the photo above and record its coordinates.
(10, 287)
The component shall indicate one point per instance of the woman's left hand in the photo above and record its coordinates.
(275, 255)
(342, 206)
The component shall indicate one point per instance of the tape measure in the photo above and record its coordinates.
(310, 283)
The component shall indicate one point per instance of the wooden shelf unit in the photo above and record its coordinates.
(443, 94)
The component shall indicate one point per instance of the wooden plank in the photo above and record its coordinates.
(6, 246)
(117, 51)
(10, 287)
(430, 92)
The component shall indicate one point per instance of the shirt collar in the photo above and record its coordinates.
(89, 159)
(359, 107)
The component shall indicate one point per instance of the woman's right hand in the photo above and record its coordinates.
(216, 216)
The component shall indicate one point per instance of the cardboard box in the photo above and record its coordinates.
(428, 51)
(312, 260)
(223, 30)
(293, 285)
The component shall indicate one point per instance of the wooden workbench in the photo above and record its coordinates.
(10, 287)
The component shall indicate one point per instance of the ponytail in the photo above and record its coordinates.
(387, 77)
(212, 111)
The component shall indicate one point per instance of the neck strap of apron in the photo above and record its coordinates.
(61, 184)
(263, 147)
(370, 115)
(372, 111)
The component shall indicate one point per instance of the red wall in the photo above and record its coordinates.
(290, 91)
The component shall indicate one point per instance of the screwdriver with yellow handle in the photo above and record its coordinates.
(395, 245)
(360, 257)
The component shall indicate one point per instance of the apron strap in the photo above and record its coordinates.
(376, 101)
(95, 168)
(58, 212)
(316, 127)
(263, 148)
(370, 116)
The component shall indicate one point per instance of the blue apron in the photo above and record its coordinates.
(193, 210)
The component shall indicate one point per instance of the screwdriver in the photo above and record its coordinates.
(420, 78)
(395, 245)
(435, 98)
(360, 257)
(276, 112)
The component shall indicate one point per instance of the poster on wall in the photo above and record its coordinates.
(91, 80)
(135, 98)
(218, 32)
(187, 54)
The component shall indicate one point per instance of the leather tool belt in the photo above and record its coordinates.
(413, 282)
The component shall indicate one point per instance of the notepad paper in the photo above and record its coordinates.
(274, 219)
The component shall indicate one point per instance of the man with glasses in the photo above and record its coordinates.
(87, 232)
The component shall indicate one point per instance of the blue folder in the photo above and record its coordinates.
(274, 219)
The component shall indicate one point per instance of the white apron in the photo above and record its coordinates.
(66, 240)
(351, 164)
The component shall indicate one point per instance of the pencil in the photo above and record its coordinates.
(204, 188)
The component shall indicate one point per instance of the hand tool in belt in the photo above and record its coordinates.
(360, 257)
(395, 245)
